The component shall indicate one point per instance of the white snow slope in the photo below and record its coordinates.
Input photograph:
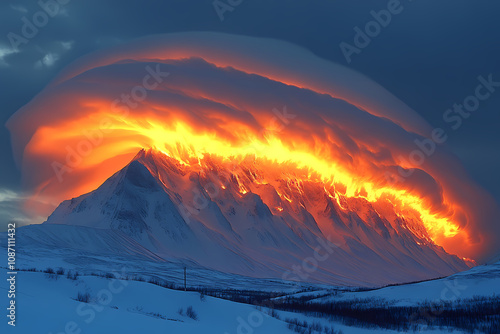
(46, 304)
(480, 281)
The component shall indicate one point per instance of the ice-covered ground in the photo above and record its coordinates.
(139, 266)
(478, 281)
(47, 305)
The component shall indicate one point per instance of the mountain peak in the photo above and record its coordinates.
(147, 153)
(138, 175)
(249, 220)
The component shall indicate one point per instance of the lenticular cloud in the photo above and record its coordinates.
(191, 94)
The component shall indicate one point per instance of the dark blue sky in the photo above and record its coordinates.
(429, 55)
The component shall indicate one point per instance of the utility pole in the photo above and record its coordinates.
(185, 286)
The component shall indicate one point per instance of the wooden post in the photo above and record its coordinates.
(185, 286)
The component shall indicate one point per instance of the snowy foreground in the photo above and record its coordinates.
(136, 293)
(47, 303)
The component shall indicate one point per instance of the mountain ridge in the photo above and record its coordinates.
(227, 217)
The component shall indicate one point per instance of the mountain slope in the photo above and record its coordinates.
(245, 219)
(480, 281)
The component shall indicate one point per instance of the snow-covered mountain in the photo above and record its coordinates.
(254, 221)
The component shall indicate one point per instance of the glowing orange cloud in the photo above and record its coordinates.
(193, 95)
